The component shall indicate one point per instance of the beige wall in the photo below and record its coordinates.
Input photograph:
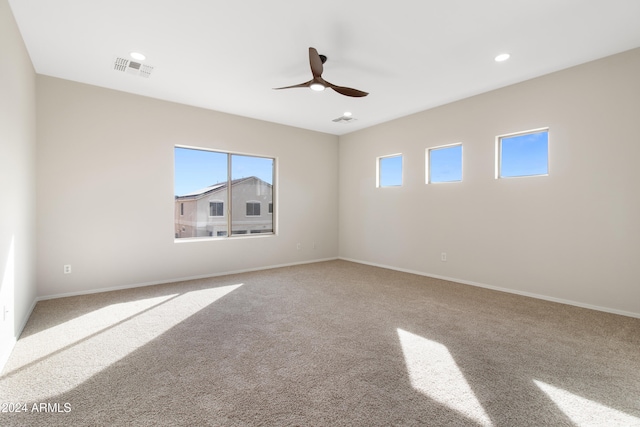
(106, 197)
(572, 236)
(17, 182)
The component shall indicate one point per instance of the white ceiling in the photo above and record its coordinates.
(410, 55)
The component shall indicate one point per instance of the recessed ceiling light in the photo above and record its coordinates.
(502, 57)
(138, 56)
(347, 114)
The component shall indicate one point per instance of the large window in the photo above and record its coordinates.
(207, 183)
(444, 164)
(389, 171)
(523, 154)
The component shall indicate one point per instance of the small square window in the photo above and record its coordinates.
(523, 154)
(444, 164)
(253, 208)
(390, 171)
(216, 209)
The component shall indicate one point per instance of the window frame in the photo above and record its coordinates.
(427, 172)
(499, 156)
(228, 212)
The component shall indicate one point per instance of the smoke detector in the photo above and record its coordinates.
(132, 67)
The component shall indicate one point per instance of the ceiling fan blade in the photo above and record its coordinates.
(315, 62)
(347, 91)
(298, 85)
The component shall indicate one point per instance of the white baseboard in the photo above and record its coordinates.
(497, 288)
(177, 279)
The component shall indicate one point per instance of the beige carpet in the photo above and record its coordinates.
(332, 343)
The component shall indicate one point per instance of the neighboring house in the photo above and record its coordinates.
(205, 212)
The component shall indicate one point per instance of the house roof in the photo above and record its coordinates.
(216, 188)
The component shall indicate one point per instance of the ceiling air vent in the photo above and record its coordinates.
(344, 119)
(132, 67)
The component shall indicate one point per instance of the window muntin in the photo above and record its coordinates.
(389, 171)
(206, 182)
(523, 154)
(444, 164)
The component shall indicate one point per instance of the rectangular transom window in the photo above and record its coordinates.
(523, 154)
(389, 171)
(444, 164)
(208, 185)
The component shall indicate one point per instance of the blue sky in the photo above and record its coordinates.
(445, 164)
(391, 171)
(196, 169)
(524, 155)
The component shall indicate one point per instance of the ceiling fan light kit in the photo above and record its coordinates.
(317, 83)
(318, 87)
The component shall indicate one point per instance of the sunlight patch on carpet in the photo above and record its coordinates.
(433, 371)
(56, 338)
(585, 412)
(96, 340)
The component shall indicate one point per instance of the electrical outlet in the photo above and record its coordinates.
(298, 246)
(313, 245)
(443, 256)
(67, 269)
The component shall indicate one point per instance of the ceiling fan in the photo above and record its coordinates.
(318, 83)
